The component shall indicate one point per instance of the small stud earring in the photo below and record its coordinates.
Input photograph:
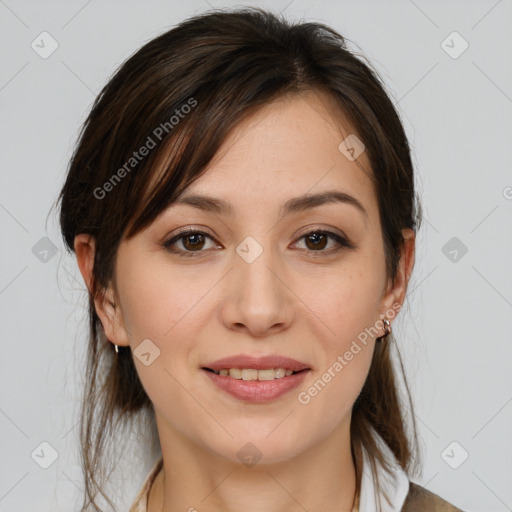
(387, 325)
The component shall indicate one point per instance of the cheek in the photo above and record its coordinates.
(332, 392)
(165, 307)
(350, 305)
(157, 303)
(350, 308)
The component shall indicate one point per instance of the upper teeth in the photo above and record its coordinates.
(251, 374)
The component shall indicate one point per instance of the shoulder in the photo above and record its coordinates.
(420, 499)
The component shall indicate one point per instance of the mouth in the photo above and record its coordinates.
(256, 378)
(249, 374)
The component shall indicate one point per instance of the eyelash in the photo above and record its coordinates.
(343, 243)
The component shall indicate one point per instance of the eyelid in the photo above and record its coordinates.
(317, 229)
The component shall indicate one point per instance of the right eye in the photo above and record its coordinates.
(192, 241)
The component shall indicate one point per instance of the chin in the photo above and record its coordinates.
(260, 448)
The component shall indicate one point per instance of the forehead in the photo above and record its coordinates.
(291, 129)
(287, 148)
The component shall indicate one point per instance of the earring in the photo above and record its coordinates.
(387, 325)
(117, 349)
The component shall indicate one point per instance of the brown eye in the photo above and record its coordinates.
(317, 241)
(191, 241)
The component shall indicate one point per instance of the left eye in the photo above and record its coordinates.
(316, 240)
(193, 241)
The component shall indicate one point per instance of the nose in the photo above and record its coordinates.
(257, 297)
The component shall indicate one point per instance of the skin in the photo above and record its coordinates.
(293, 300)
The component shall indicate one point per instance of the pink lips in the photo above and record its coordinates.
(255, 390)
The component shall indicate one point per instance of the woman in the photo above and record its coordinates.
(241, 204)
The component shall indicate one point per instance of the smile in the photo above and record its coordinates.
(253, 374)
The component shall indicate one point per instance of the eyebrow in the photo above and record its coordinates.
(294, 205)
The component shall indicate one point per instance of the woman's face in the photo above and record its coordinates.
(262, 279)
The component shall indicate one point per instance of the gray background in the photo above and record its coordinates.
(455, 335)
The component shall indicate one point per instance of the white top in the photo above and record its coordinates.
(396, 487)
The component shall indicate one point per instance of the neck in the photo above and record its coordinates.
(196, 480)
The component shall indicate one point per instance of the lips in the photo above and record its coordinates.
(256, 391)
(282, 375)
(244, 361)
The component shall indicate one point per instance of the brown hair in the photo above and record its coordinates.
(182, 93)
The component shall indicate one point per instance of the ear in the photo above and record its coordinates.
(107, 306)
(395, 295)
